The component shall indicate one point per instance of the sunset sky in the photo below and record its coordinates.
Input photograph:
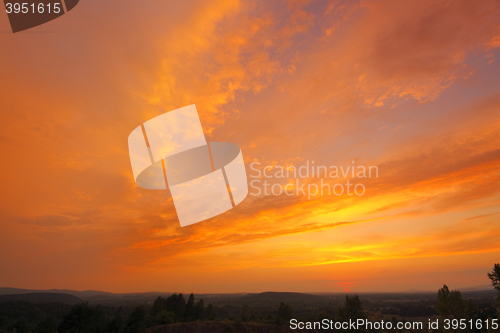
(412, 87)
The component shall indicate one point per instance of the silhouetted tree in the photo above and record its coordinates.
(136, 321)
(198, 311)
(179, 308)
(495, 281)
(211, 312)
(450, 303)
(351, 310)
(189, 312)
(165, 317)
(83, 318)
(116, 324)
(495, 277)
(285, 313)
(158, 305)
(170, 303)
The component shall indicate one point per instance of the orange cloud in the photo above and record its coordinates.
(405, 86)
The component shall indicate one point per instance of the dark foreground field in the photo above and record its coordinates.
(219, 327)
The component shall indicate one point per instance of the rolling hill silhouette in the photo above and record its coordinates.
(42, 298)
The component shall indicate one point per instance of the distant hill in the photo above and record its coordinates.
(82, 294)
(92, 296)
(8, 291)
(483, 287)
(42, 298)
